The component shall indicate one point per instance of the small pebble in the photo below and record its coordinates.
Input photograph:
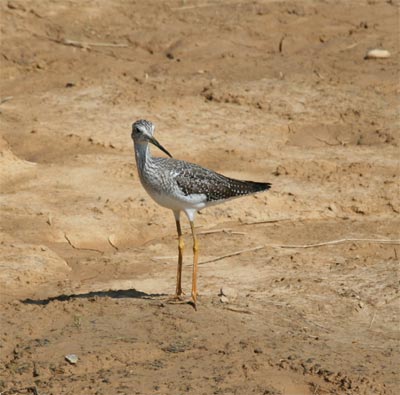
(377, 54)
(333, 207)
(228, 292)
(339, 260)
(72, 358)
(224, 299)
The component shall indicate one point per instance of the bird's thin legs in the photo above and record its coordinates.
(181, 245)
(195, 263)
(177, 298)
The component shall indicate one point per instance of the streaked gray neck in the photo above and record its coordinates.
(142, 154)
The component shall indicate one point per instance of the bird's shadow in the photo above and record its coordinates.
(114, 294)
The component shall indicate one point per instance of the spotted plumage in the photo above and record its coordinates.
(193, 179)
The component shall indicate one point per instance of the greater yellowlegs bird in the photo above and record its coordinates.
(183, 186)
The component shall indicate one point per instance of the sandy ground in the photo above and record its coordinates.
(275, 91)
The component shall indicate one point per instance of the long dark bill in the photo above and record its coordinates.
(158, 145)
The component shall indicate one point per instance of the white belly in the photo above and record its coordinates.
(178, 203)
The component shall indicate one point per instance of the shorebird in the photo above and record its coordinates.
(183, 186)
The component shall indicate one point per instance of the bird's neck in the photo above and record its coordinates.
(142, 154)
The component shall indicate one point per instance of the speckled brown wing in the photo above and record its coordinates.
(193, 179)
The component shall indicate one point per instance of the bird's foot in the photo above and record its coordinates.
(177, 298)
(194, 300)
(181, 299)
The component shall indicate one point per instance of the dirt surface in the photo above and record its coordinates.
(275, 91)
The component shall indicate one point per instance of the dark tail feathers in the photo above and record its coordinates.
(254, 187)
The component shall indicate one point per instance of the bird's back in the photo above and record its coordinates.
(192, 179)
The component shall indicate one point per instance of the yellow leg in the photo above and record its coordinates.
(195, 263)
(181, 245)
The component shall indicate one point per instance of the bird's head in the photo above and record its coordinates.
(142, 133)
